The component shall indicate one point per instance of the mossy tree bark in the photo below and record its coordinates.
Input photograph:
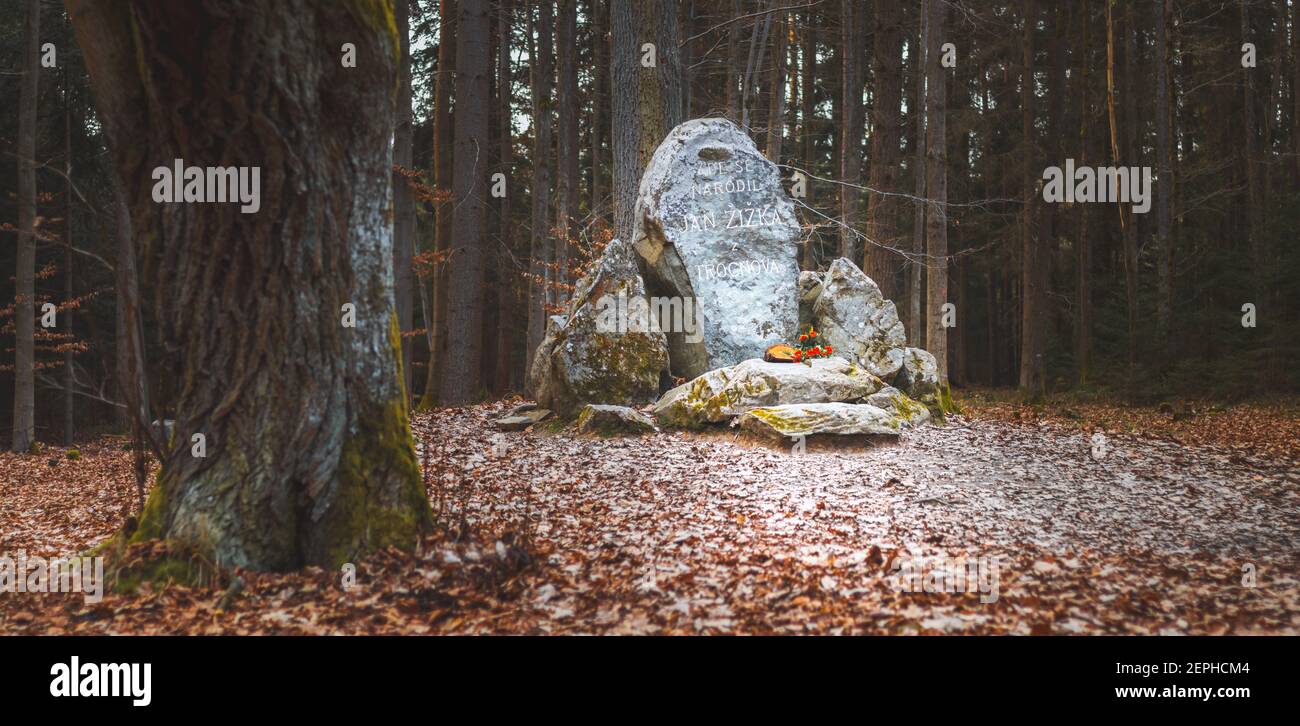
(309, 453)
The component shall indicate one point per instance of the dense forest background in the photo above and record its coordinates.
(926, 173)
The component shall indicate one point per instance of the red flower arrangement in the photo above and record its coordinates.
(809, 348)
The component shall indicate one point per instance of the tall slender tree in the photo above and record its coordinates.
(625, 126)
(936, 185)
(886, 130)
(25, 277)
(850, 127)
(469, 181)
(403, 201)
(1031, 343)
(540, 265)
(1164, 182)
(509, 373)
(443, 149)
(566, 187)
(776, 107)
(915, 321)
(598, 15)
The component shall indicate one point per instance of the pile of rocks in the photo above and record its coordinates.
(708, 283)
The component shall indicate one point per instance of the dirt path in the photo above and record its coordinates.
(703, 532)
(688, 533)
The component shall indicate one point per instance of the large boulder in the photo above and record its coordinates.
(715, 228)
(597, 352)
(812, 419)
(919, 377)
(855, 318)
(726, 392)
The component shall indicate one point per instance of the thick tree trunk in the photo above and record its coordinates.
(25, 277)
(936, 184)
(469, 221)
(403, 201)
(625, 126)
(661, 85)
(882, 209)
(442, 161)
(309, 457)
(540, 259)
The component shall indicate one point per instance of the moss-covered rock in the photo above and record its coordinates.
(596, 353)
(602, 420)
(919, 378)
(813, 419)
(726, 392)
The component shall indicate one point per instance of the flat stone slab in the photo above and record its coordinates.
(815, 419)
(603, 420)
(522, 420)
(726, 392)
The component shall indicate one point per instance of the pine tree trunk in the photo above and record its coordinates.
(1083, 243)
(936, 184)
(1131, 158)
(508, 373)
(598, 17)
(915, 322)
(442, 161)
(625, 126)
(403, 201)
(309, 457)
(1031, 349)
(65, 318)
(776, 109)
(540, 260)
(469, 192)
(25, 277)
(882, 209)
(1164, 183)
(1254, 196)
(566, 188)
(734, 74)
(660, 86)
(850, 129)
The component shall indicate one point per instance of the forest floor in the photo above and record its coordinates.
(1185, 520)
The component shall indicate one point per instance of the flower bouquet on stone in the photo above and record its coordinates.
(810, 347)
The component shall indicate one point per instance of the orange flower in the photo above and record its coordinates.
(803, 337)
(812, 333)
(828, 350)
(798, 354)
(817, 351)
